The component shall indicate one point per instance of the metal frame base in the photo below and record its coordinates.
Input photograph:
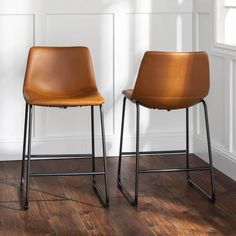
(133, 200)
(25, 177)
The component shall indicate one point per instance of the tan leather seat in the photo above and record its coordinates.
(171, 80)
(60, 76)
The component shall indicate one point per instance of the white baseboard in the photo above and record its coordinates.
(11, 150)
(222, 160)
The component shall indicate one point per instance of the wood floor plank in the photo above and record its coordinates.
(68, 205)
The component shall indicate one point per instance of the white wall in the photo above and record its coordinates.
(118, 33)
(222, 98)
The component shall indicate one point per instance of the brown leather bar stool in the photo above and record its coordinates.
(168, 80)
(61, 77)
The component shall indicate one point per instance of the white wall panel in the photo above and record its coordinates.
(142, 32)
(216, 102)
(204, 29)
(96, 32)
(234, 106)
(221, 100)
(118, 6)
(202, 5)
(16, 36)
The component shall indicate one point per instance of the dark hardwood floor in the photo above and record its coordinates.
(68, 206)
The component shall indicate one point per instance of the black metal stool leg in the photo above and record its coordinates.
(121, 139)
(209, 151)
(24, 149)
(104, 201)
(187, 142)
(104, 154)
(132, 200)
(137, 154)
(193, 183)
(93, 142)
(26, 200)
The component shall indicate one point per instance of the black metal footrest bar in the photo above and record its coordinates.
(60, 155)
(66, 174)
(174, 170)
(197, 187)
(155, 152)
(126, 193)
(98, 192)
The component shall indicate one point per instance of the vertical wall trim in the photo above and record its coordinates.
(114, 77)
(33, 110)
(197, 49)
(197, 31)
(231, 74)
(179, 33)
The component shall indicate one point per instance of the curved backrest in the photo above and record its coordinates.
(59, 71)
(171, 80)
